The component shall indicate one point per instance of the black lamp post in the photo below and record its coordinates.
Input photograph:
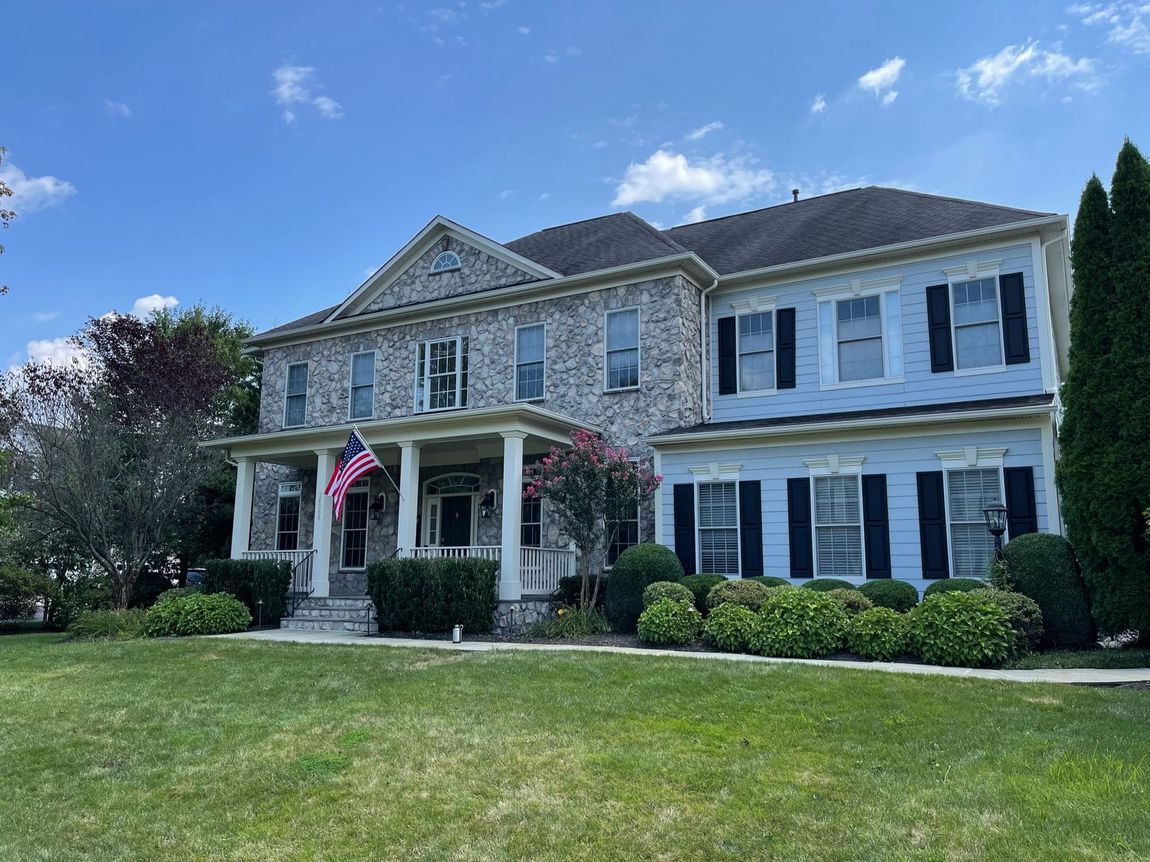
(995, 515)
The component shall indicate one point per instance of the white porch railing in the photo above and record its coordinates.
(541, 568)
(302, 561)
(484, 552)
(293, 557)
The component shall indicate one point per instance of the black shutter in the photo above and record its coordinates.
(938, 322)
(728, 357)
(785, 348)
(751, 528)
(1015, 337)
(1021, 511)
(799, 527)
(876, 527)
(685, 526)
(932, 525)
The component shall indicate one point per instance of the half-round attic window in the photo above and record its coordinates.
(445, 261)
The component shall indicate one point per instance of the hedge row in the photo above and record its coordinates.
(414, 595)
(252, 581)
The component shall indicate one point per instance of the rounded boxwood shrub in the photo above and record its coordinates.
(1023, 615)
(196, 614)
(666, 590)
(880, 634)
(1042, 566)
(745, 593)
(799, 624)
(954, 585)
(960, 628)
(636, 567)
(729, 627)
(670, 622)
(852, 600)
(825, 585)
(769, 581)
(700, 586)
(888, 593)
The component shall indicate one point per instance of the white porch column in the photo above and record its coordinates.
(242, 515)
(407, 517)
(321, 523)
(511, 514)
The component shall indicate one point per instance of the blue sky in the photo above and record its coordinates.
(266, 156)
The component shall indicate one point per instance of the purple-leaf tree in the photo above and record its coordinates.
(593, 487)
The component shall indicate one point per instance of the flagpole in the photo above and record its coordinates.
(359, 434)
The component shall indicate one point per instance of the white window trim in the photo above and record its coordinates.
(858, 289)
(953, 573)
(437, 500)
(638, 348)
(727, 478)
(963, 275)
(452, 268)
(351, 386)
(288, 489)
(835, 465)
(758, 308)
(515, 364)
(307, 386)
(542, 517)
(968, 458)
(426, 370)
(360, 486)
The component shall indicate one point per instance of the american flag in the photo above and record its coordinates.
(357, 460)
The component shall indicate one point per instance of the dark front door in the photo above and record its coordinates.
(456, 529)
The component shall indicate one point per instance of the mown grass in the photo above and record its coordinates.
(1099, 658)
(212, 749)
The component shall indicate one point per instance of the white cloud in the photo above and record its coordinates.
(881, 80)
(55, 351)
(447, 15)
(294, 87)
(523, 30)
(505, 194)
(551, 57)
(145, 305)
(697, 214)
(545, 196)
(598, 145)
(488, 5)
(117, 109)
(1128, 23)
(44, 316)
(985, 79)
(819, 104)
(30, 194)
(701, 132)
(714, 180)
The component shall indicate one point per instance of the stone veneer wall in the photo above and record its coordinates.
(514, 618)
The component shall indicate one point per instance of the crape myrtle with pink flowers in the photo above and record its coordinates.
(593, 486)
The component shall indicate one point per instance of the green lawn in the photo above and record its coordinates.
(208, 749)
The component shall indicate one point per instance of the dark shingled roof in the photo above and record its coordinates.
(833, 224)
(1041, 400)
(598, 243)
(300, 322)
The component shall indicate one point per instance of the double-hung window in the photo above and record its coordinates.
(756, 349)
(287, 516)
(361, 394)
(531, 522)
(977, 326)
(295, 401)
(530, 353)
(718, 528)
(860, 334)
(353, 546)
(441, 375)
(622, 346)
(838, 526)
(968, 492)
(622, 535)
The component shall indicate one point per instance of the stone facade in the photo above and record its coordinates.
(514, 618)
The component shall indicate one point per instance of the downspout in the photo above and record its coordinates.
(704, 359)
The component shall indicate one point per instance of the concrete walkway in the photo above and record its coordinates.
(1077, 676)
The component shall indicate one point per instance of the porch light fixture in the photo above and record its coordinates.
(487, 504)
(995, 515)
(377, 508)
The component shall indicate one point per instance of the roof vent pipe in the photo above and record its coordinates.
(795, 193)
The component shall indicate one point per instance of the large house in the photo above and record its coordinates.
(832, 387)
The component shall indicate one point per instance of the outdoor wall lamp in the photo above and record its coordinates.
(995, 515)
(487, 504)
(378, 507)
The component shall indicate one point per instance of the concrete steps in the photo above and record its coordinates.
(331, 614)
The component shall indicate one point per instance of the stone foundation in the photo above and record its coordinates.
(514, 618)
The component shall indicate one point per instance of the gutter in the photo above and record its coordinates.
(704, 356)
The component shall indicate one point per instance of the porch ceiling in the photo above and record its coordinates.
(460, 435)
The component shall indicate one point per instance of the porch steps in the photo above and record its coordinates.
(331, 614)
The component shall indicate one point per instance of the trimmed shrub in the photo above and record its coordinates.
(196, 614)
(799, 624)
(251, 581)
(414, 595)
(953, 585)
(636, 567)
(960, 628)
(746, 593)
(570, 586)
(879, 634)
(1042, 566)
(669, 622)
(700, 586)
(729, 627)
(769, 581)
(852, 600)
(1023, 615)
(825, 585)
(20, 592)
(571, 623)
(888, 593)
(117, 624)
(77, 595)
(666, 590)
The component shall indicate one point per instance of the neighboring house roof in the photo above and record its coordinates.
(598, 243)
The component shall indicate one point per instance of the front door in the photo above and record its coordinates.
(455, 531)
